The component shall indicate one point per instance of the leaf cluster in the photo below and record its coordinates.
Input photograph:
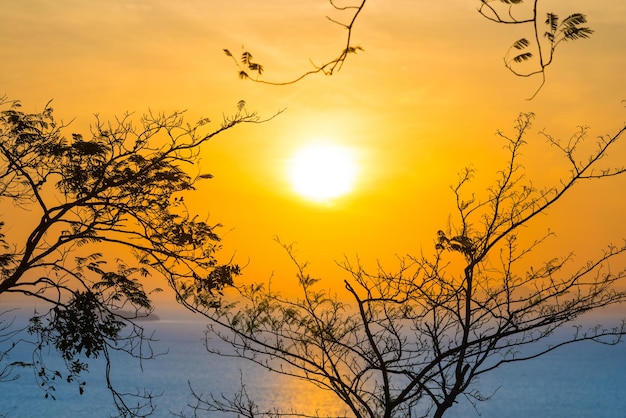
(246, 64)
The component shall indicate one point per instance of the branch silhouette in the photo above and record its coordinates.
(537, 49)
(411, 341)
(247, 66)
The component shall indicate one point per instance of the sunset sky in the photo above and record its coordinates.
(423, 100)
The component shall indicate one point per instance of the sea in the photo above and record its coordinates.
(581, 380)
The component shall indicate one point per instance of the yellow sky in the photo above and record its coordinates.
(421, 102)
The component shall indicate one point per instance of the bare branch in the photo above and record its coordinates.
(414, 340)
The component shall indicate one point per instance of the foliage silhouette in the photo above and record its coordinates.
(546, 36)
(95, 201)
(413, 341)
(539, 51)
(246, 66)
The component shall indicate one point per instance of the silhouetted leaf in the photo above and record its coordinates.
(246, 57)
(521, 43)
(572, 33)
(552, 20)
(523, 57)
(575, 19)
(227, 52)
(256, 67)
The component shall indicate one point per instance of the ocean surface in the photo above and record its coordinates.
(584, 380)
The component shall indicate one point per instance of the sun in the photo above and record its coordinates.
(322, 172)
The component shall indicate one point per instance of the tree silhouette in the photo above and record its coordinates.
(412, 342)
(528, 56)
(94, 201)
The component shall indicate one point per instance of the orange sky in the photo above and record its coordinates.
(421, 102)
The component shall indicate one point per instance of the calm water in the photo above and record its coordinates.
(588, 380)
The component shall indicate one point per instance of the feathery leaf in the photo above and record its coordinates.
(521, 43)
(523, 57)
(553, 21)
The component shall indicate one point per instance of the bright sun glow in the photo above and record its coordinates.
(323, 172)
